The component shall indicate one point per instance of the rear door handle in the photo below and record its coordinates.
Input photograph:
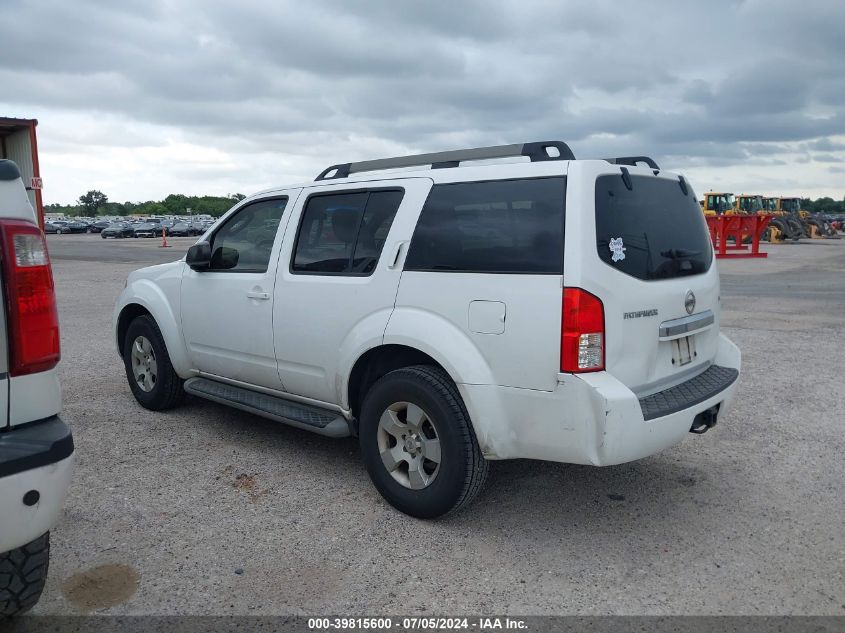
(254, 294)
(397, 255)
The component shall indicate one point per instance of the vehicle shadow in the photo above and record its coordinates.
(674, 487)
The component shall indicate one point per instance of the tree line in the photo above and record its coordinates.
(824, 205)
(94, 203)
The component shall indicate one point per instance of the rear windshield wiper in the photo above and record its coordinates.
(679, 253)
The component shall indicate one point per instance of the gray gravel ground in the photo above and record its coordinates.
(217, 511)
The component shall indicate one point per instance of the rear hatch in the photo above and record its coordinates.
(645, 252)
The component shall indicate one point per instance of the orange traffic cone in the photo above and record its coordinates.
(164, 243)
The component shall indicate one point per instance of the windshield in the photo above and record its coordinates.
(790, 205)
(652, 231)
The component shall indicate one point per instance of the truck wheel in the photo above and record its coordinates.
(418, 444)
(151, 377)
(23, 572)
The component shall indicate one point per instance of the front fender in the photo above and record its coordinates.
(149, 295)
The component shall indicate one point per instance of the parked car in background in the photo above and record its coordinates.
(60, 226)
(182, 229)
(76, 226)
(36, 446)
(98, 226)
(50, 227)
(118, 230)
(148, 229)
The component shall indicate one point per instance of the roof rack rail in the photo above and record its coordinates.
(633, 160)
(538, 151)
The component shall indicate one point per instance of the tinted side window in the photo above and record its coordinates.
(500, 226)
(243, 243)
(344, 233)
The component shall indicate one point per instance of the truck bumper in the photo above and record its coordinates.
(594, 418)
(36, 463)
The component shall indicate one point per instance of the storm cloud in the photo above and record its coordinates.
(141, 99)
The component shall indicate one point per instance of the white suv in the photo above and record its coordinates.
(36, 446)
(450, 313)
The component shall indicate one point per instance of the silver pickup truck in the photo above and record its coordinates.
(36, 446)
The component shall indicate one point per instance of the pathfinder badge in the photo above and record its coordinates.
(617, 249)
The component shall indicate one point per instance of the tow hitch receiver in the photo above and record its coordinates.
(705, 420)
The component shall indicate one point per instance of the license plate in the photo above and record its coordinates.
(683, 350)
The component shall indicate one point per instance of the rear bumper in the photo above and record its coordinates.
(593, 418)
(34, 457)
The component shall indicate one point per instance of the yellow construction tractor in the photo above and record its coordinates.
(748, 205)
(811, 226)
(770, 206)
(782, 226)
(717, 203)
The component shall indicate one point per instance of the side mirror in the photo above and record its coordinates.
(199, 256)
(224, 258)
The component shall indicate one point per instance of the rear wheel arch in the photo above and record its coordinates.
(377, 362)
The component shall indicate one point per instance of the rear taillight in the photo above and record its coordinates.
(581, 332)
(31, 315)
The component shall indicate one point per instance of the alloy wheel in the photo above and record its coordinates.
(409, 445)
(144, 365)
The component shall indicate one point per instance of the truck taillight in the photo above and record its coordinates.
(581, 332)
(31, 314)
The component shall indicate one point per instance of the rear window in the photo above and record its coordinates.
(653, 230)
(500, 226)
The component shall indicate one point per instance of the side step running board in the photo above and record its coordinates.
(302, 416)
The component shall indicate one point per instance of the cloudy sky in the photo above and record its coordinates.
(150, 97)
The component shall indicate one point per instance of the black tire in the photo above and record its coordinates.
(103, 236)
(781, 227)
(168, 390)
(463, 469)
(23, 572)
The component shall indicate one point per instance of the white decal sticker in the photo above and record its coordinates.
(617, 249)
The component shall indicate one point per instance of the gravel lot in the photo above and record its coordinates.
(210, 510)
